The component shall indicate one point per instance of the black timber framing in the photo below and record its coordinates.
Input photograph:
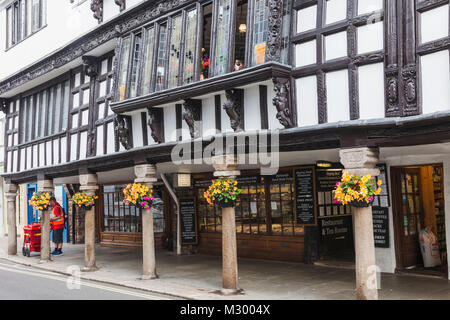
(388, 132)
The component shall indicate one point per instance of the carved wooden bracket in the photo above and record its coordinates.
(234, 106)
(91, 143)
(122, 131)
(156, 124)
(273, 52)
(97, 9)
(281, 101)
(121, 4)
(90, 66)
(3, 105)
(192, 114)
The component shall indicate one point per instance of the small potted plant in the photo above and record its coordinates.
(222, 192)
(356, 191)
(84, 201)
(205, 65)
(40, 200)
(138, 195)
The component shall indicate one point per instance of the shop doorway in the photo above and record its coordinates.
(418, 204)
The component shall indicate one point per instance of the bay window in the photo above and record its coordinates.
(205, 39)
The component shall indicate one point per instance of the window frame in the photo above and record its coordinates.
(20, 24)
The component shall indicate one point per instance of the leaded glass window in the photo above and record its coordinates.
(161, 59)
(175, 47)
(148, 61)
(136, 65)
(222, 37)
(190, 44)
(261, 14)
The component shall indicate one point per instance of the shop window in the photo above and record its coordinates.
(222, 37)
(209, 216)
(189, 48)
(206, 41)
(161, 58)
(175, 51)
(119, 217)
(260, 24)
(124, 67)
(135, 65)
(240, 35)
(282, 208)
(148, 61)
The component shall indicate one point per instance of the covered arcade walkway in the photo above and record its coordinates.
(199, 276)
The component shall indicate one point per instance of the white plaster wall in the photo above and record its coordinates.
(136, 125)
(371, 91)
(306, 90)
(337, 96)
(252, 113)
(170, 125)
(208, 116)
(405, 156)
(65, 22)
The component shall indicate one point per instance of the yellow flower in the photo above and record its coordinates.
(379, 182)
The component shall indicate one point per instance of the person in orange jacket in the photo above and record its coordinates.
(57, 222)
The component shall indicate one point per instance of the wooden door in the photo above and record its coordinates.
(408, 215)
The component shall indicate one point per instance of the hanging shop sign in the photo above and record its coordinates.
(380, 216)
(188, 225)
(305, 196)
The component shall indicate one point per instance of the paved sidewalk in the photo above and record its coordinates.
(199, 276)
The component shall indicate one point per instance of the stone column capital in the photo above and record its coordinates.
(225, 165)
(10, 190)
(45, 185)
(360, 161)
(89, 183)
(145, 174)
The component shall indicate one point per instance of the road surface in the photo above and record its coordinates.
(21, 282)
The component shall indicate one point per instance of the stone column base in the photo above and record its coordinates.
(89, 269)
(44, 261)
(148, 277)
(231, 292)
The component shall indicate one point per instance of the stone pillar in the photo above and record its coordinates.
(146, 175)
(89, 185)
(45, 186)
(225, 166)
(362, 161)
(11, 196)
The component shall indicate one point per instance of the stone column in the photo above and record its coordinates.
(225, 166)
(11, 196)
(362, 161)
(89, 185)
(45, 186)
(146, 175)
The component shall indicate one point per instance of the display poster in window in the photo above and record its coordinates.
(380, 216)
(305, 196)
(248, 180)
(188, 222)
(282, 178)
(260, 52)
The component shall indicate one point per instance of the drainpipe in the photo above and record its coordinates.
(174, 197)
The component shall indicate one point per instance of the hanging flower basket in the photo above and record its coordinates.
(222, 192)
(356, 191)
(40, 200)
(84, 201)
(138, 195)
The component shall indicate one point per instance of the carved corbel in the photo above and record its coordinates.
(121, 4)
(156, 124)
(122, 131)
(90, 66)
(192, 114)
(91, 143)
(97, 9)
(273, 52)
(3, 105)
(234, 106)
(281, 101)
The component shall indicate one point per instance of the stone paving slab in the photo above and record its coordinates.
(199, 276)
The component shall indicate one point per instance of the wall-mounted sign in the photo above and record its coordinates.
(183, 180)
(327, 178)
(380, 218)
(305, 196)
(188, 222)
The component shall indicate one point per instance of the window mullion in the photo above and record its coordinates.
(212, 53)
(167, 55)
(156, 37)
(198, 42)
(250, 27)
(141, 62)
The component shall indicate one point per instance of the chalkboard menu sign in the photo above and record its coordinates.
(327, 178)
(305, 196)
(188, 221)
(380, 217)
